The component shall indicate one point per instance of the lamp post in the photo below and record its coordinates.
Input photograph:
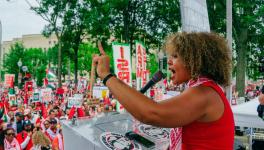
(160, 57)
(25, 69)
(19, 64)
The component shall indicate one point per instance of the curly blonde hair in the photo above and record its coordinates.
(203, 54)
(39, 138)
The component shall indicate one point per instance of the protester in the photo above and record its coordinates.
(2, 134)
(52, 115)
(33, 118)
(11, 121)
(53, 130)
(24, 137)
(40, 141)
(260, 108)
(19, 122)
(46, 125)
(203, 62)
(10, 142)
(58, 142)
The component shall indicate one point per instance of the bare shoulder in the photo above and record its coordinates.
(214, 103)
(261, 99)
(194, 104)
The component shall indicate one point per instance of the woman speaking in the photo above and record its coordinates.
(202, 61)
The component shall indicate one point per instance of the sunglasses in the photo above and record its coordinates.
(9, 134)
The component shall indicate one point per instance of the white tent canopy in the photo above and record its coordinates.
(246, 115)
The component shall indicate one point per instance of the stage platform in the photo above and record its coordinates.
(91, 133)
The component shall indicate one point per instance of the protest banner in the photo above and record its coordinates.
(141, 65)
(9, 79)
(12, 99)
(74, 101)
(122, 62)
(36, 97)
(46, 95)
(100, 92)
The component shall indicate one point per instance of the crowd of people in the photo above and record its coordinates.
(29, 125)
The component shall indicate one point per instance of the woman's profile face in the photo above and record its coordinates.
(179, 73)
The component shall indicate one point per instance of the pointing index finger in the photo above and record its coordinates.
(102, 52)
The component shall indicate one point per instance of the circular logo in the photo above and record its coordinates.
(115, 141)
(153, 132)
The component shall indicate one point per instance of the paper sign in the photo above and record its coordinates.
(46, 95)
(36, 97)
(12, 100)
(74, 101)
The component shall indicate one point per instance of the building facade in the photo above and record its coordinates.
(29, 41)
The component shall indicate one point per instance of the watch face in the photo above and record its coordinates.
(153, 132)
(115, 141)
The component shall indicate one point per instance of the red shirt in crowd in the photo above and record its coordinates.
(21, 137)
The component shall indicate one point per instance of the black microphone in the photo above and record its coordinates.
(156, 78)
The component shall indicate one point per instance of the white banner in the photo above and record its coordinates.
(100, 92)
(78, 96)
(75, 101)
(9, 80)
(141, 65)
(46, 95)
(12, 99)
(36, 97)
(122, 62)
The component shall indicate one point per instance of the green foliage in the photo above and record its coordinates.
(152, 64)
(248, 29)
(34, 58)
(16, 52)
(10, 66)
(40, 74)
(52, 55)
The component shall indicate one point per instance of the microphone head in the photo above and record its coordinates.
(158, 76)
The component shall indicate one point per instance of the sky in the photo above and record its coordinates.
(17, 19)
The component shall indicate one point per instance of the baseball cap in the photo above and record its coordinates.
(27, 122)
(18, 114)
(53, 121)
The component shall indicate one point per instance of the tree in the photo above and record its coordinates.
(34, 58)
(10, 60)
(53, 12)
(148, 20)
(248, 41)
(74, 23)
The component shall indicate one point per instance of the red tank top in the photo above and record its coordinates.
(216, 135)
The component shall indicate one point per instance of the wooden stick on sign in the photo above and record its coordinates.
(92, 78)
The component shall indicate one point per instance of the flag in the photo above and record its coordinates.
(71, 113)
(50, 74)
(1, 109)
(80, 112)
(45, 82)
(12, 83)
(44, 111)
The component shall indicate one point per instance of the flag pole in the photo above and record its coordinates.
(92, 79)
